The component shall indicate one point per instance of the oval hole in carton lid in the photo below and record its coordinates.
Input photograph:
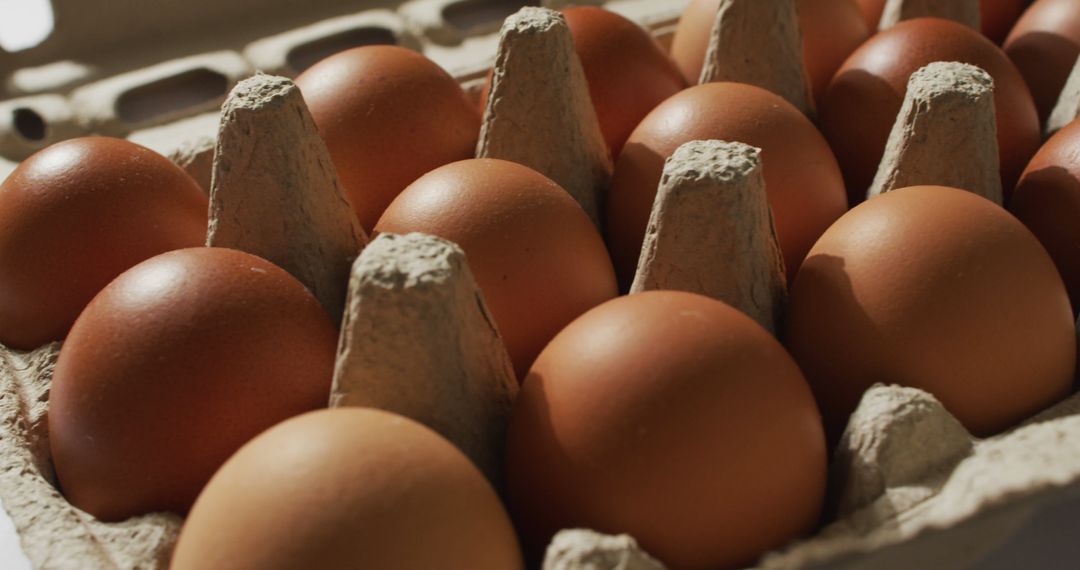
(307, 54)
(479, 16)
(178, 92)
(29, 124)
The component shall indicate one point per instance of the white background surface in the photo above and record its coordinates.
(24, 23)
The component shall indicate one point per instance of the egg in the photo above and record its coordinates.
(75, 215)
(1044, 45)
(388, 115)
(348, 488)
(996, 16)
(172, 367)
(867, 92)
(674, 418)
(537, 257)
(831, 30)
(938, 289)
(802, 180)
(1047, 200)
(628, 72)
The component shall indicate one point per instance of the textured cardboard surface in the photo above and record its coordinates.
(945, 134)
(711, 231)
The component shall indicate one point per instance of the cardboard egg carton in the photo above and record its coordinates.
(910, 487)
(86, 78)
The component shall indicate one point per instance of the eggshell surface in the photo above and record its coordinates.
(348, 488)
(175, 365)
(674, 418)
(536, 255)
(628, 72)
(75, 215)
(1047, 200)
(802, 180)
(1044, 45)
(938, 289)
(388, 115)
(868, 91)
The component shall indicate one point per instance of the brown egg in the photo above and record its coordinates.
(997, 16)
(348, 488)
(536, 256)
(938, 289)
(175, 365)
(388, 115)
(866, 94)
(1047, 200)
(628, 72)
(802, 179)
(77, 214)
(832, 29)
(1044, 45)
(674, 418)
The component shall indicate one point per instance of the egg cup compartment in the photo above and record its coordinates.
(911, 486)
(53, 533)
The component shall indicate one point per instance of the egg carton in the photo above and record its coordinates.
(84, 78)
(911, 488)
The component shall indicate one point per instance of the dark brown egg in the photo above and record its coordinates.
(997, 16)
(77, 214)
(1044, 45)
(348, 488)
(628, 72)
(172, 367)
(674, 418)
(1047, 200)
(938, 289)
(536, 255)
(866, 94)
(388, 115)
(831, 30)
(802, 180)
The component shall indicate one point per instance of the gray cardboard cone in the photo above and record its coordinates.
(759, 42)
(538, 81)
(581, 549)
(945, 134)
(1067, 108)
(711, 231)
(418, 340)
(275, 192)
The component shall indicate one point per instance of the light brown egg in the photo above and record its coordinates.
(628, 72)
(831, 30)
(802, 180)
(674, 418)
(348, 488)
(867, 93)
(536, 255)
(172, 367)
(938, 289)
(1047, 200)
(1044, 45)
(388, 115)
(77, 214)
